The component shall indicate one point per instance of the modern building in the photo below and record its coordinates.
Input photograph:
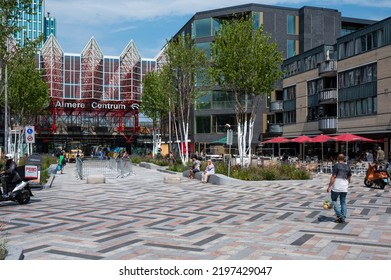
(32, 23)
(50, 26)
(340, 88)
(94, 97)
(295, 31)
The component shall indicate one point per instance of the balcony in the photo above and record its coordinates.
(328, 68)
(328, 124)
(274, 128)
(328, 96)
(277, 106)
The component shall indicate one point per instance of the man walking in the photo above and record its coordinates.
(339, 183)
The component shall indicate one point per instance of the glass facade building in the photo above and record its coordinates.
(32, 23)
(294, 30)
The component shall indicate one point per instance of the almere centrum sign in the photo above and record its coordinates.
(95, 105)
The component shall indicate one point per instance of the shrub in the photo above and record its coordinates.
(46, 162)
(252, 173)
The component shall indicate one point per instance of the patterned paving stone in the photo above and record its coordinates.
(140, 217)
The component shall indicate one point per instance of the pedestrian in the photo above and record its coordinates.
(339, 183)
(61, 163)
(171, 158)
(125, 155)
(209, 170)
(380, 155)
(369, 156)
(195, 167)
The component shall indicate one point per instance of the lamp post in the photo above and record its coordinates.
(229, 143)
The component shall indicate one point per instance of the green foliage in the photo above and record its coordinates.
(186, 66)
(246, 64)
(178, 167)
(46, 162)
(136, 159)
(245, 61)
(254, 173)
(28, 93)
(155, 102)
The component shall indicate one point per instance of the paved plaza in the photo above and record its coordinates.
(141, 217)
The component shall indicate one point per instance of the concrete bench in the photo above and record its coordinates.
(197, 175)
(96, 179)
(145, 165)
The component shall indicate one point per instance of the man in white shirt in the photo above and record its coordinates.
(339, 183)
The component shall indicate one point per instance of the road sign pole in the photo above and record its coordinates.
(229, 142)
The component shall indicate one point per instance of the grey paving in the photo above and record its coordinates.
(141, 217)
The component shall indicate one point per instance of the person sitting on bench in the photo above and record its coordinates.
(209, 170)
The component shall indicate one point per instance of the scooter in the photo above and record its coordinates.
(376, 175)
(21, 192)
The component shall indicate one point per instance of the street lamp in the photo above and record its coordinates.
(229, 143)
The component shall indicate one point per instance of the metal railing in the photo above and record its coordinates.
(112, 168)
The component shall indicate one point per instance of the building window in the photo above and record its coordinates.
(359, 107)
(203, 28)
(204, 102)
(216, 25)
(222, 100)
(257, 20)
(292, 48)
(290, 117)
(292, 25)
(203, 124)
(358, 76)
(206, 47)
(364, 43)
(219, 122)
(290, 93)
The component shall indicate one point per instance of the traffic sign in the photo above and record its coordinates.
(30, 134)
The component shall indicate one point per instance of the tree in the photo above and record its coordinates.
(246, 64)
(10, 12)
(17, 65)
(185, 70)
(28, 92)
(155, 103)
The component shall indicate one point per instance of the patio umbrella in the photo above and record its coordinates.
(277, 140)
(321, 139)
(348, 137)
(221, 140)
(302, 139)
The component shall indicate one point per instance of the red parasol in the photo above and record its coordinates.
(348, 137)
(302, 139)
(277, 140)
(321, 139)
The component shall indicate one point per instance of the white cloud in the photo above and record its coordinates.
(115, 22)
(100, 11)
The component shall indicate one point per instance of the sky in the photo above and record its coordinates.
(150, 23)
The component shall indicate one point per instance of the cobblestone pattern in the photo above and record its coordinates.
(141, 217)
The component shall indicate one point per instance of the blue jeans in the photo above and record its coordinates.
(340, 212)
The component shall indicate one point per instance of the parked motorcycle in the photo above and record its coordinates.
(377, 176)
(20, 192)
